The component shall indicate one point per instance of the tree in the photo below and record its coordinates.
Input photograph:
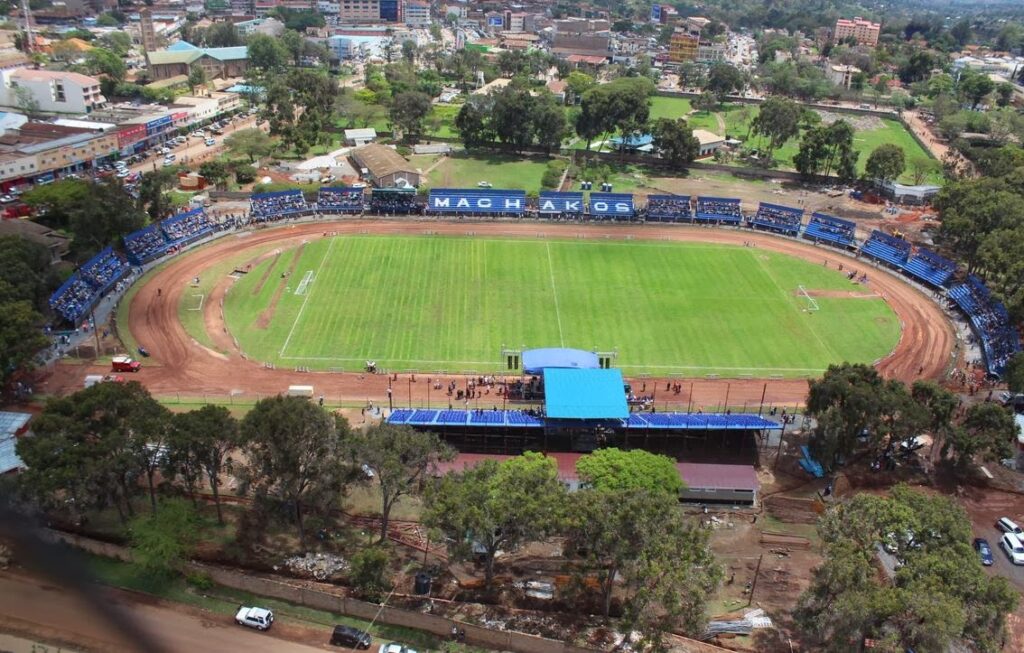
(828, 148)
(20, 334)
(163, 541)
(400, 458)
(208, 435)
(266, 53)
(295, 452)
(705, 102)
(579, 83)
(779, 120)
(612, 469)
(408, 111)
(215, 172)
(886, 163)
(152, 191)
(641, 539)
(675, 142)
(473, 122)
(223, 34)
(973, 87)
(1014, 373)
(196, 77)
(251, 143)
(511, 116)
(923, 167)
(497, 506)
(549, 124)
(100, 61)
(1004, 93)
(723, 79)
(120, 43)
(292, 42)
(368, 573)
(988, 431)
(940, 405)
(623, 105)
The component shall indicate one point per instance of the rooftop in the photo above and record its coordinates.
(53, 75)
(381, 160)
(707, 138)
(718, 477)
(584, 394)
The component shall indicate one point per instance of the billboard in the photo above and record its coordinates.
(495, 21)
(476, 200)
(611, 205)
(560, 203)
(655, 13)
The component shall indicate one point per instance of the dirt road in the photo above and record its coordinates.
(44, 612)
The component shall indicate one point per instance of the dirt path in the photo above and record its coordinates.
(263, 321)
(266, 274)
(179, 365)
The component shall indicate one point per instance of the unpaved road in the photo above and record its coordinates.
(45, 612)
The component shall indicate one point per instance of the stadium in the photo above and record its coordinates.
(560, 323)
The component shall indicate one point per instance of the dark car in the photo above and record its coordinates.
(984, 551)
(349, 636)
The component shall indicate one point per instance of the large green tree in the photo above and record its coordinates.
(723, 79)
(675, 142)
(778, 121)
(408, 112)
(204, 438)
(253, 144)
(400, 459)
(987, 432)
(613, 469)
(497, 506)
(163, 541)
(886, 163)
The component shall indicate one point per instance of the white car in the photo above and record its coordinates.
(258, 618)
(485, 184)
(121, 174)
(6, 199)
(1006, 525)
(395, 647)
(1013, 548)
(210, 141)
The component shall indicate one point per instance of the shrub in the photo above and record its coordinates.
(368, 573)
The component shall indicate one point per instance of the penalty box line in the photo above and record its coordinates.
(305, 300)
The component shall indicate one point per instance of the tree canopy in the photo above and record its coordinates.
(613, 469)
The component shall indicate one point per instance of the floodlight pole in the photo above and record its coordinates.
(764, 391)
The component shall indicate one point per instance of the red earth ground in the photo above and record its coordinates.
(181, 365)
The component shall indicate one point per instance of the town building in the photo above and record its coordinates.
(147, 31)
(863, 31)
(179, 58)
(12, 427)
(267, 26)
(417, 14)
(50, 91)
(575, 36)
(360, 137)
(710, 142)
(842, 75)
(39, 152)
(384, 167)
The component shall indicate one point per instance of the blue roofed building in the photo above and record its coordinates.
(12, 427)
(179, 58)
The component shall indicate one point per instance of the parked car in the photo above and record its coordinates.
(1006, 525)
(209, 142)
(484, 184)
(1013, 548)
(6, 199)
(165, 150)
(351, 637)
(984, 551)
(121, 174)
(395, 647)
(258, 618)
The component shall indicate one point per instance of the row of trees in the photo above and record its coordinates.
(512, 116)
(854, 407)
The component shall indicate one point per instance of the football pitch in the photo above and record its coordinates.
(434, 303)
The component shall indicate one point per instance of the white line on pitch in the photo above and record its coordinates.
(306, 298)
(554, 292)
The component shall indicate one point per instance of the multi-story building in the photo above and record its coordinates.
(683, 46)
(355, 11)
(328, 7)
(180, 57)
(515, 21)
(38, 152)
(688, 44)
(864, 31)
(147, 31)
(417, 14)
(50, 91)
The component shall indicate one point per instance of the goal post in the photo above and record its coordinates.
(810, 304)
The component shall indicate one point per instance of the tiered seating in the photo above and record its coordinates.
(340, 200)
(930, 267)
(519, 418)
(281, 203)
(669, 208)
(73, 299)
(145, 244)
(830, 229)
(185, 228)
(485, 418)
(887, 249)
(718, 209)
(699, 421)
(394, 201)
(777, 218)
(999, 340)
(104, 270)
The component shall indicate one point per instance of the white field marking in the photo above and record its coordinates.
(558, 313)
(302, 308)
(200, 307)
(306, 279)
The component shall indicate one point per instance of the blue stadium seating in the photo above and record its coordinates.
(930, 267)
(146, 244)
(340, 200)
(186, 228)
(669, 208)
(718, 210)
(518, 418)
(611, 205)
(278, 204)
(77, 296)
(780, 219)
(468, 201)
(829, 229)
(569, 205)
(887, 249)
(998, 337)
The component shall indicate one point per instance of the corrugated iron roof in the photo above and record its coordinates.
(718, 477)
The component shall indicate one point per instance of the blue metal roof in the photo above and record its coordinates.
(535, 360)
(636, 421)
(489, 418)
(584, 394)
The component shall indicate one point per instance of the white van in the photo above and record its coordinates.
(1014, 549)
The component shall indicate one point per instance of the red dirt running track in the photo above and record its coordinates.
(180, 365)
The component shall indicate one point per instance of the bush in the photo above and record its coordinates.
(404, 150)
(553, 173)
(368, 573)
(200, 581)
(245, 174)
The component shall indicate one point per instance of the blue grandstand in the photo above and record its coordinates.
(719, 210)
(930, 267)
(611, 205)
(887, 249)
(566, 205)
(829, 229)
(998, 338)
(186, 228)
(79, 294)
(145, 244)
(471, 201)
(669, 208)
(278, 204)
(635, 421)
(780, 219)
(340, 200)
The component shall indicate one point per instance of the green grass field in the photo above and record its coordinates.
(433, 303)
(466, 170)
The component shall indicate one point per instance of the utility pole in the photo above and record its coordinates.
(753, 584)
(29, 37)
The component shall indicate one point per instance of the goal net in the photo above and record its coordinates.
(810, 304)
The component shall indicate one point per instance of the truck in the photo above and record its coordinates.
(125, 364)
(93, 379)
(258, 618)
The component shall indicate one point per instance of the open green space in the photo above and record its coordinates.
(464, 170)
(441, 120)
(438, 303)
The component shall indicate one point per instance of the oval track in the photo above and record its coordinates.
(182, 365)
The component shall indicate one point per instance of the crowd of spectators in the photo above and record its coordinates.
(719, 207)
(280, 203)
(999, 339)
(145, 243)
(187, 226)
(79, 293)
(669, 207)
(340, 200)
(780, 218)
(105, 269)
(890, 241)
(73, 298)
(384, 203)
